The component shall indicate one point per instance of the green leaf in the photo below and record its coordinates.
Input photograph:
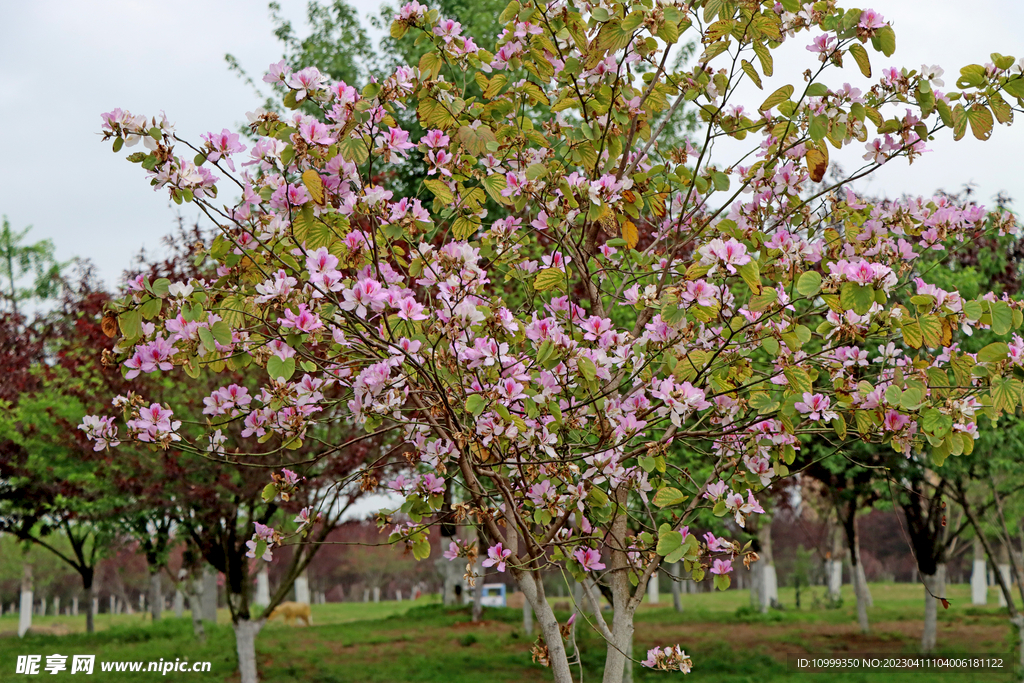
(475, 404)
(160, 286)
(586, 368)
(762, 301)
(221, 332)
(548, 278)
(440, 190)
(130, 323)
(494, 184)
(856, 297)
(860, 55)
(884, 41)
(668, 496)
(993, 353)
(981, 122)
(751, 275)
(798, 379)
(463, 228)
(751, 73)
(935, 422)
(1002, 317)
(280, 369)
(913, 335)
(777, 98)
(931, 331)
(668, 541)
(206, 336)
(809, 283)
(269, 493)
(722, 582)
(151, 308)
(764, 56)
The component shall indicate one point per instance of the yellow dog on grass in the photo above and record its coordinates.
(291, 612)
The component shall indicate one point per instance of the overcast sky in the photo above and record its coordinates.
(63, 62)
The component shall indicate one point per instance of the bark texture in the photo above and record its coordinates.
(245, 645)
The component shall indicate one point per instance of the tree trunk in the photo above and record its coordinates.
(527, 617)
(979, 577)
(627, 672)
(25, 608)
(209, 595)
(677, 600)
(654, 589)
(245, 644)
(1003, 567)
(156, 595)
(756, 576)
(302, 589)
(834, 564)
(621, 635)
(533, 591)
(195, 605)
(90, 607)
(935, 588)
(263, 586)
(478, 593)
(860, 584)
(620, 649)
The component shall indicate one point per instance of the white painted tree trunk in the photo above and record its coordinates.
(653, 589)
(245, 644)
(195, 604)
(74, 607)
(262, 587)
(771, 584)
(179, 603)
(935, 585)
(860, 588)
(156, 596)
(868, 600)
(478, 592)
(302, 589)
(25, 611)
(533, 592)
(209, 595)
(527, 617)
(1004, 569)
(677, 600)
(979, 575)
(376, 593)
(835, 578)
(756, 579)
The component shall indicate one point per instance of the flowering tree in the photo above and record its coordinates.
(577, 305)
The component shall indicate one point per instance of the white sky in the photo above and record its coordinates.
(63, 62)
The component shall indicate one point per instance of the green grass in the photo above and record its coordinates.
(423, 642)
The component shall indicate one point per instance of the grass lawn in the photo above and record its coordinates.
(421, 642)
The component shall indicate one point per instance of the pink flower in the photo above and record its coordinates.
(816, 407)
(722, 567)
(895, 421)
(154, 425)
(729, 253)
(453, 551)
(303, 321)
(101, 430)
(496, 556)
(870, 19)
(589, 559)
